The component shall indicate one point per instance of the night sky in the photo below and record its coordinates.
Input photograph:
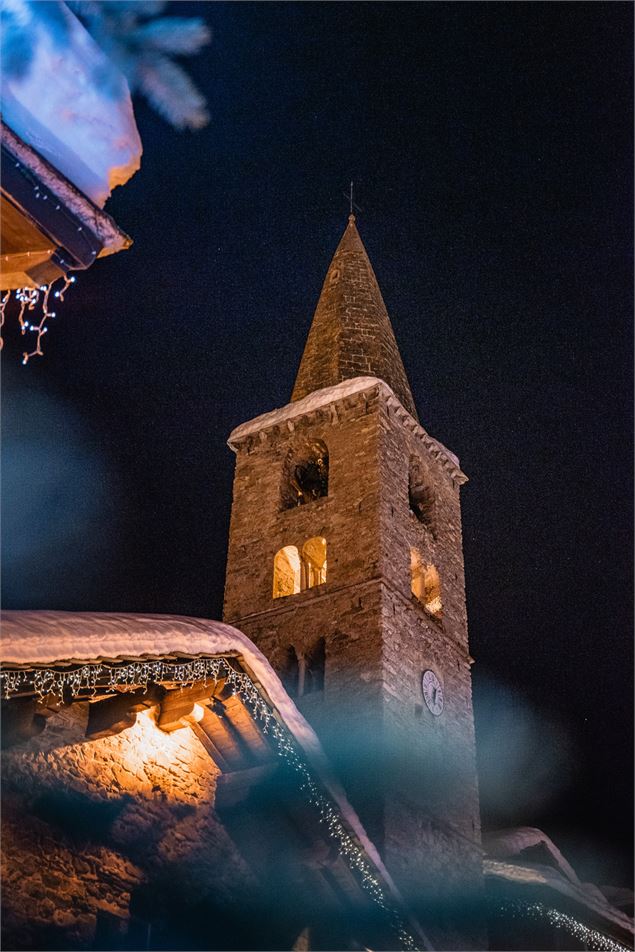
(491, 149)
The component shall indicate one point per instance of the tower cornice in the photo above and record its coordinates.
(355, 389)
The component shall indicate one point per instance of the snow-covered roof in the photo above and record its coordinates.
(38, 638)
(321, 398)
(503, 846)
(49, 638)
(537, 875)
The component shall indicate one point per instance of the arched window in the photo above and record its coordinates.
(313, 562)
(426, 584)
(420, 493)
(290, 672)
(287, 574)
(314, 669)
(305, 475)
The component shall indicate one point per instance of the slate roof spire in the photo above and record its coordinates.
(351, 334)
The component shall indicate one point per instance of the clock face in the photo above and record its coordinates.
(432, 692)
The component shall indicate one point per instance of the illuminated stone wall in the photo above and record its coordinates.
(90, 825)
(411, 775)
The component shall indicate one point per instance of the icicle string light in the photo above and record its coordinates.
(3, 303)
(87, 678)
(28, 300)
(590, 938)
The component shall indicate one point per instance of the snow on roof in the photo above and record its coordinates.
(538, 875)
(67, 100)
(502, 844)
(322, 398)
(47, 637)
(50, 637)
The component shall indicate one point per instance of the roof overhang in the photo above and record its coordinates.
(48, 227)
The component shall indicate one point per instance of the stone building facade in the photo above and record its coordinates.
(346, 464)
(87, 825)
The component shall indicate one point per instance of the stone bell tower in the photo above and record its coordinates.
(345, 567)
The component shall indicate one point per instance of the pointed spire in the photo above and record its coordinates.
(351, 334)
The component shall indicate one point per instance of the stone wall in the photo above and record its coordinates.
(93, 828)
(411, 775)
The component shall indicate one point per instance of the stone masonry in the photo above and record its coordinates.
(351, 334)
(89, 826)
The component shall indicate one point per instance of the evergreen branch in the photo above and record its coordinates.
(171, 92)
(172, 35)
(138, 8)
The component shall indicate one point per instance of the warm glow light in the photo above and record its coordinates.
(197, 712)
(314, 562)
(145, 751)
(425, 584)
(286, 572)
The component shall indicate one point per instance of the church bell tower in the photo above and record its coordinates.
(345, 567)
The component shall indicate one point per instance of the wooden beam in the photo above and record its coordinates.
(20, 721)
(243, 724)
(115, 714)
(209, 745)
(177, 705)
(233, 788)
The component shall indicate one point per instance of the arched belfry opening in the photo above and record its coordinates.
(421, 494)
(287, 572)
(313, 562)
(425, 584)
(305, 475)
(302, 672)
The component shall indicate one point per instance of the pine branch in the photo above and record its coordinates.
(172, 35)
(171, 92)
(138, 8)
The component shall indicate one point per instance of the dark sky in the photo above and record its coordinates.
(491, 147)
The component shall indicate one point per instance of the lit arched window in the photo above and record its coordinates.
(420, 494)
(305, 475)
(287, 573)
(426, 584)
(314, 562)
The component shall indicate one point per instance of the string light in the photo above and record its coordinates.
(3, 303)
(28, 300)
(590, 938)
(128, 677)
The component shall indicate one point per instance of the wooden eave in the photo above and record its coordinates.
(47, 227)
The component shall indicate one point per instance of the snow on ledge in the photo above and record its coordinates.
(322, 398)
(48, 637)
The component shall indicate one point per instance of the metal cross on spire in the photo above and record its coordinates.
(352, 204)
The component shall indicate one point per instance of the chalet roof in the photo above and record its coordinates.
(351, 334)
(52, 638)
(47, 642)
